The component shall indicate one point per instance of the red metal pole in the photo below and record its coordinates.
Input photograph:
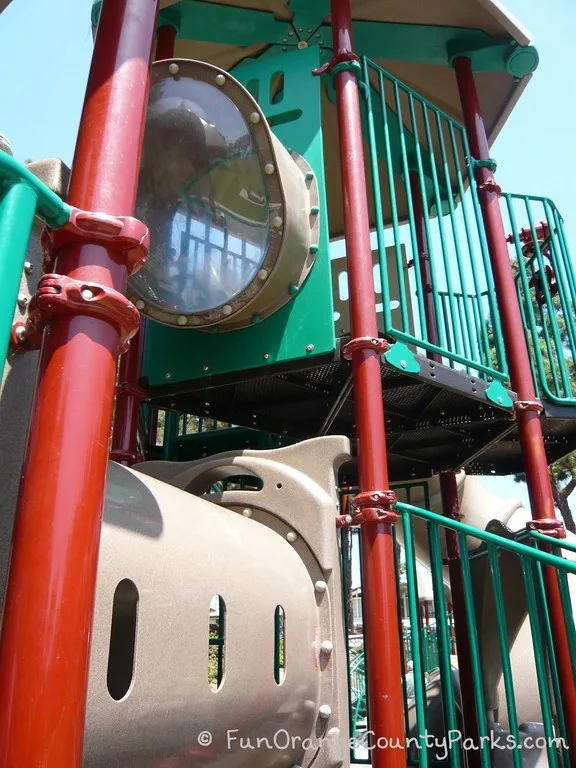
(425, 272)
(165, 41)
(382, 633)
(44, 652)
(527, 409)
(451, 509)
(129, 394)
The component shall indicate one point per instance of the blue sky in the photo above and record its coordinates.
(45, 49)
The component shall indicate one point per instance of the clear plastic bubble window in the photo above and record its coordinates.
(203, 196)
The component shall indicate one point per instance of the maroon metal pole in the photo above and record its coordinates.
(451, 509)
(527, 408)
(381, 633)
(165, 41)
(129, 394)
(44, 651)
(424, 262)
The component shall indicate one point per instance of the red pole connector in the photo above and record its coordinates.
(44, 651)
(528, 413)
(381, 633)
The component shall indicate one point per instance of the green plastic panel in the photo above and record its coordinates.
(305, 326)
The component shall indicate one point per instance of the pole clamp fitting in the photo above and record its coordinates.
(61, 295)
(375, 507)
(364, 342)
(342, 61)
(549, 526)
(344, 521)
(127, 456)
(375, 515)
(125, 388)
(125, 235)
(490, 185)
(521, 406)
(489, 163)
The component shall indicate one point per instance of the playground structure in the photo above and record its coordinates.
(287, 229)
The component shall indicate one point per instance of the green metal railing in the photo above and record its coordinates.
(22, 196)
(528, 558)
(416, 150)
(546, 286)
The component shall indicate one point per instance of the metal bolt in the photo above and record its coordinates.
(403, 363)
(320, 586)
(140, 304)
(284, 48)
(324, 711)
(327, 646)
(309, 175)
(291, 536)
(302, 44)
(182, 320)
(500, 400)
(309, 347)
(318, 35)
(167, 375)
(205, 368)
(313, 248)
(290, 34)
(293, 290)
(87, 294)
(269, 169)
(262, 274)
(226, 309)
(314, 210)
(28, 268)
(266, 356)
(173, 68)
(22, 300)
(255, 117)
(277, 221)
(21, 333)
(220, 79)
(247, 512)
(284, 39)
(300, 29)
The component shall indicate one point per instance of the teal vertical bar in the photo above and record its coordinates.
(503, 642)
(525, 288)
(475, 657)
(171, 420)
(376, 189)
(551, 657)
(415, 630)
(539, 660)
(494, 311)
(448, 698)
(410, 209)
(17, 209)
(549, 304)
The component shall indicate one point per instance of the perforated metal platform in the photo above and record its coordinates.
(435, 419)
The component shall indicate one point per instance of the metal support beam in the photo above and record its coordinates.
(451, 510)
(527, 416)
(382, 634)
(44, 650)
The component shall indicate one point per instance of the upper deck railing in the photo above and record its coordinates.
(433, 253)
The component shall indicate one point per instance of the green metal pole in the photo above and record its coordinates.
(17, 209)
